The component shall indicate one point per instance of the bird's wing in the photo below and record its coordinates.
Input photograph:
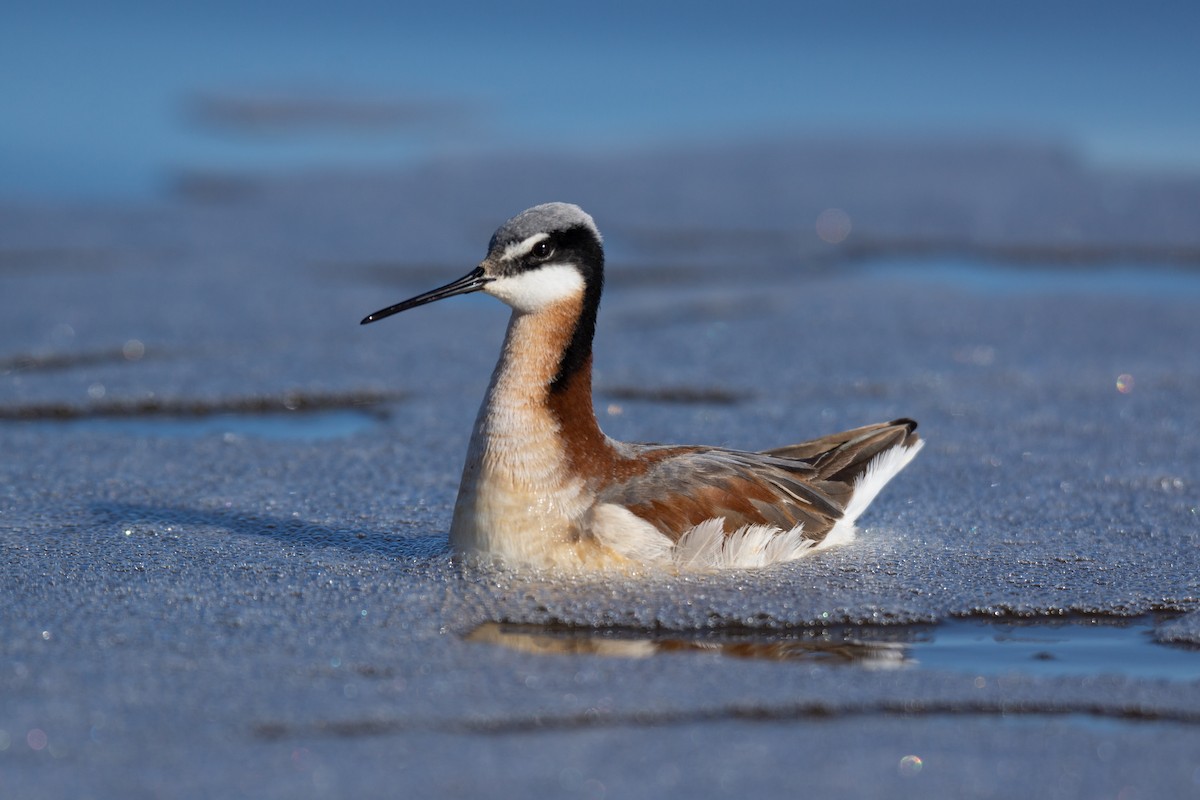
(808, 484)
(843, 457)
(687, 488)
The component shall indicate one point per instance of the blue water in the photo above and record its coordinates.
(107, 100)
(1066, 648)
(1153, 280)
(297, 426)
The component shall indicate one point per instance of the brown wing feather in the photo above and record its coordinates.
(806, 484)
(842, 457)
(679, 492)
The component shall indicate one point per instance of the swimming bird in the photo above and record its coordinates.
(543, 486)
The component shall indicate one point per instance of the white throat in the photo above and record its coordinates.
(537, 289)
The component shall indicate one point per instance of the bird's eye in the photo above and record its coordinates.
(542, 250)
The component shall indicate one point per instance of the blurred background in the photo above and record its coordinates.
(133, 101)
(166, 167)
(183, 161)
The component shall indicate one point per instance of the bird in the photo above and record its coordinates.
(543, 487)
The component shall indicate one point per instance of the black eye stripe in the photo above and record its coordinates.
(576, 245)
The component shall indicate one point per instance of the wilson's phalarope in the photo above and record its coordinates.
(543, 486)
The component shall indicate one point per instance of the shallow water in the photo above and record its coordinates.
(1000, 277)
(1075, 647)
(294, 426)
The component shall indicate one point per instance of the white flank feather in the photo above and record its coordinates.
(619, 529)
(706, 546)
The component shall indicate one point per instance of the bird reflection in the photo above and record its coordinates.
(829, 646)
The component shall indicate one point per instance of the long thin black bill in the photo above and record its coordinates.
(471, 282)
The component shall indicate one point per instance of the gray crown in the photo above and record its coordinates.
(546, 218)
